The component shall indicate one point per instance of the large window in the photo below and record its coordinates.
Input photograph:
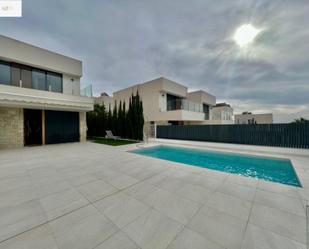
(54, 82)
(24, 76)
(47, 81)
(5, 73)
(206, 111)
(173, 102)
(39, 80)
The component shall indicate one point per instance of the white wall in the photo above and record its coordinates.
(179, 115)
(209, 122)
(149, 93)
(153, 94)
(162, 102)
(172, 87)
(20, 52)
(201, 97)
(16, 51)
(222, 113)
(71, 87)
(266, 118)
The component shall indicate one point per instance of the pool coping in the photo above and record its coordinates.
(284, 151)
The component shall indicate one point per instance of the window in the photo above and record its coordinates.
(39, 80)
(5, 73)
(173, 102)
(25, 76)
(206, 111)
(54, 81)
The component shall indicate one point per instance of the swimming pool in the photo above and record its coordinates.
(266, 168)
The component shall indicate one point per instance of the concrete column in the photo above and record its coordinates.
(82, 127)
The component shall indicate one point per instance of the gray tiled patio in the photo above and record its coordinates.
(87, 196)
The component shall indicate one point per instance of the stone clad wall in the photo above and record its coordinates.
(11, 127)
(82, 126)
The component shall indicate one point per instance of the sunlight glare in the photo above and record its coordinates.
(245, 35)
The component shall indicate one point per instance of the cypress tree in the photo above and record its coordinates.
(109, 119)
(103, 120)
(114, 120)
(124, 120)
(140, 117)
(130, 119)
(119, 119)
(126, 123)
(90, 120)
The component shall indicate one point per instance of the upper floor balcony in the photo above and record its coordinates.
(183, 104)
(186, 105)
(12, 96)
(29, 87)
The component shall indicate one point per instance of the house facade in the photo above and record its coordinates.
(40, 100)
(222, 113)
(250, 118)
(166, 102)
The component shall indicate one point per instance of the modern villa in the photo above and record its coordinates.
(152, 162)
(250, 118)
(168, 102)
(222, 113)
(40, 100)
(202, 186)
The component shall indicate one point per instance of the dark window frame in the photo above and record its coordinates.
(8, 64)
(35, 69)
(54, 74)
(40, 71)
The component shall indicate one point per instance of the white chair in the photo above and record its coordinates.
(109, 134)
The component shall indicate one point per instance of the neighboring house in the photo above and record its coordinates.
(167, 102)
(105, 99)
(222, 113)
(40, 100)
(250, 118)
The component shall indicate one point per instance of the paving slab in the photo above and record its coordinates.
(87, 195)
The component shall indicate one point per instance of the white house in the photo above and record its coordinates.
(250, 118)
(167, 102)
(222, 113)
(40, 100)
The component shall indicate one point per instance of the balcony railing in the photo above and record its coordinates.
(32, 98)
(183, 104)
(86, 91)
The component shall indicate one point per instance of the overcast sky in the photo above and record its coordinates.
(125, 42)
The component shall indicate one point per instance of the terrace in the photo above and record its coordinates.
(89, 195)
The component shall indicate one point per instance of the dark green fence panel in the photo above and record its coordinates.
(280, 135)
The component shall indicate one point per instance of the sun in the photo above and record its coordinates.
(245, 35)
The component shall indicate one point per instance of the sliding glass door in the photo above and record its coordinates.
(21, 75)
(24, 76)
(5, 73)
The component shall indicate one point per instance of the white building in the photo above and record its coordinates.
(40, 100)
(250, 118)
(222, 113)
(105, 99)
(167, 102)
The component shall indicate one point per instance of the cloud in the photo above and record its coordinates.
(124, 42)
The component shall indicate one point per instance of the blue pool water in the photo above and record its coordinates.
(270, 169)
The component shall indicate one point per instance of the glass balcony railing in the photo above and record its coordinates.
(86, 91)
(183, 104)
